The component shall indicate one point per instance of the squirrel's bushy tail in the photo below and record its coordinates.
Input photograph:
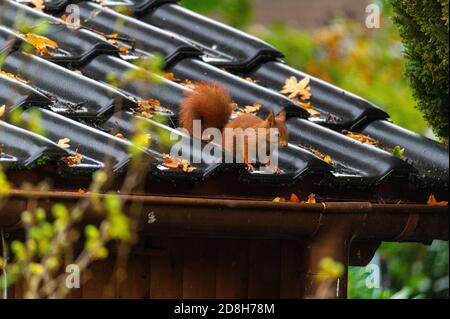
(209, 103)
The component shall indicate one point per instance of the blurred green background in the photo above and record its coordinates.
(369, 63)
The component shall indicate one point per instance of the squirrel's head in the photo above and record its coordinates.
(278, 122)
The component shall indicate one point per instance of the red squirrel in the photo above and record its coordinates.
(212, 105)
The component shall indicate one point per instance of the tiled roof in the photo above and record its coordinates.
(83, 106)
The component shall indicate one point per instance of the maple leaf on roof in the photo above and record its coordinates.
(43, 45)
(297, 89)
(249, 109)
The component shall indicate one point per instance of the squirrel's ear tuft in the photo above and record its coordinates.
(270, 120)
(282, 116)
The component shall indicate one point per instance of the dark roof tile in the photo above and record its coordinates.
(92, 111)
(140, 35)
(72, 94)
(14, 93)
(75, 45)
(344, 109)
(222, 45)
(22, 148)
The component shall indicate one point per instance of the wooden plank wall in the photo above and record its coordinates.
(193, 268)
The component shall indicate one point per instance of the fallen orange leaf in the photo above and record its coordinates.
(361, 137)
(12, 76)
(294, 198)
(41, 43)
(433, 202)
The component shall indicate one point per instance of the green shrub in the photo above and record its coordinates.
(424, 27)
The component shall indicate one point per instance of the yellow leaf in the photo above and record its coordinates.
(64, 143)
(311, 199)
(309, 108)
(174, 163)
(148, 108)
(297, 89)
(249, 109)
(124, 49)
(38, 5)
(2, 110)
(12, 76)
(326, 158)
(41, 43)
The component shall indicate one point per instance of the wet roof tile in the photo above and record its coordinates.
(73, 94)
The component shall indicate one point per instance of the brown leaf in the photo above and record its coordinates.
(149, 108)
(73, 159)
(113, 38)
(121, 136)
(82, 191)
(42, 44)
(12, 76)
(433, 202)
(361, 138)
(149, 104)
(174, 163)
(124, 49)
(297, 89)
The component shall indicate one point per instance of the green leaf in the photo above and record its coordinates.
(398, 151)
